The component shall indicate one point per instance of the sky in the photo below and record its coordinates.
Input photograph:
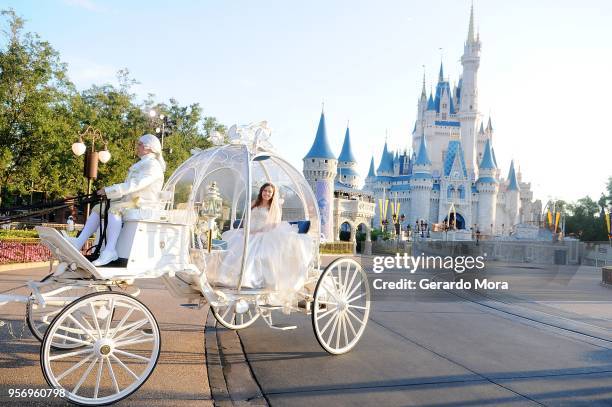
(543, 78)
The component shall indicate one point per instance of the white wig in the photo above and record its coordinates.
(152, 143)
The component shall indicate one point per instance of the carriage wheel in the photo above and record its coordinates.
(237, 314)
(39, 318)
(118, 354)
(341, 306)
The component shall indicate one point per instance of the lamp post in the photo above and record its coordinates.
(90, 168)
(164, 123)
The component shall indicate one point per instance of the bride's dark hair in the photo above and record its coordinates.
(259, 199)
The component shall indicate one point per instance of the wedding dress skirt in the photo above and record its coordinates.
(278, 258)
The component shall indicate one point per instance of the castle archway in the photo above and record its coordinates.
(455, 218)
(346, 232)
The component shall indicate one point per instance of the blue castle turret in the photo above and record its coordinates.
(347, 164)
(385, 167)
(320, 148)
(487, 187)
(320, 167)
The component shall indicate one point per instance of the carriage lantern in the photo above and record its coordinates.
(211, 209)
(213, 203)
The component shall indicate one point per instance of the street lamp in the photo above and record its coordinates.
(164, 122)
(90, 168)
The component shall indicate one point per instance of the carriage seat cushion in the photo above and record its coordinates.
(218, 244)
(303, 226)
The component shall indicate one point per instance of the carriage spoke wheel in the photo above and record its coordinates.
(341, 306)
(119, 349)
(236, 314)
(38, 318)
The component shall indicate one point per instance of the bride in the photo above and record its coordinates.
(278, 257)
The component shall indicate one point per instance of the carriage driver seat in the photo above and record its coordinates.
(155, 236)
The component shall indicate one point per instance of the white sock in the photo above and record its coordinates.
(112, 231)
(89, 229)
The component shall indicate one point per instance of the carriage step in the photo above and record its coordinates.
(270, 307)
(190, 306)
(283, 327)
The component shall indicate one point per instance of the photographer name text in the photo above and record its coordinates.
(427, 284)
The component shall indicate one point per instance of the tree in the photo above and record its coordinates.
(34, 91)
(585, 221)
(41, 114)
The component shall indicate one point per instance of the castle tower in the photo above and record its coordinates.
(482, 139)
(468, 110)
(347, 164)
(320, 171)
(385, 167)
(422, 105)
(513, 197)
(421, 184)
(489, 129)
(487, 187)
(371, 178)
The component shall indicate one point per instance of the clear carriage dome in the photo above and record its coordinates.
(223, 181)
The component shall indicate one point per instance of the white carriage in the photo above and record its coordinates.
(100, 343)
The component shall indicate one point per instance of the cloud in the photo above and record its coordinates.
(85, 73)
(85, 4)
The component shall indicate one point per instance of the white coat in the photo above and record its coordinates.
(142, 186)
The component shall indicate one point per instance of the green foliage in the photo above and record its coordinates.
(585, 220)
(34, 91)
(18, 234)
(376, 234)
(42, 113)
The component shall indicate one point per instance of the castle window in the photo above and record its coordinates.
(450, 191)
(313, 160)
(325, 161)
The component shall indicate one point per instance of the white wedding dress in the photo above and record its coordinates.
(278, 257)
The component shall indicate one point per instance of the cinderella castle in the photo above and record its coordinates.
(449, 175)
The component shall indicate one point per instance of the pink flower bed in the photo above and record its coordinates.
(22, 252)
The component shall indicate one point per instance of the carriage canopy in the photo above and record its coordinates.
(235, 172)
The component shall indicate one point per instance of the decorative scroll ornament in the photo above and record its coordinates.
(256, 136)
(217, 138)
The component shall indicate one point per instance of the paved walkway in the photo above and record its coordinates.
(180, 378)
(544, 346)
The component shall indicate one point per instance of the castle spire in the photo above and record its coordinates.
(487, 162)
(430, 103)
(347, 152)
(371, 172)
(320, 148)
(512, 183)
(489, 126)
(441, 74)
(423, 90)
(422, 157)
(386, 160)
(470, 36)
